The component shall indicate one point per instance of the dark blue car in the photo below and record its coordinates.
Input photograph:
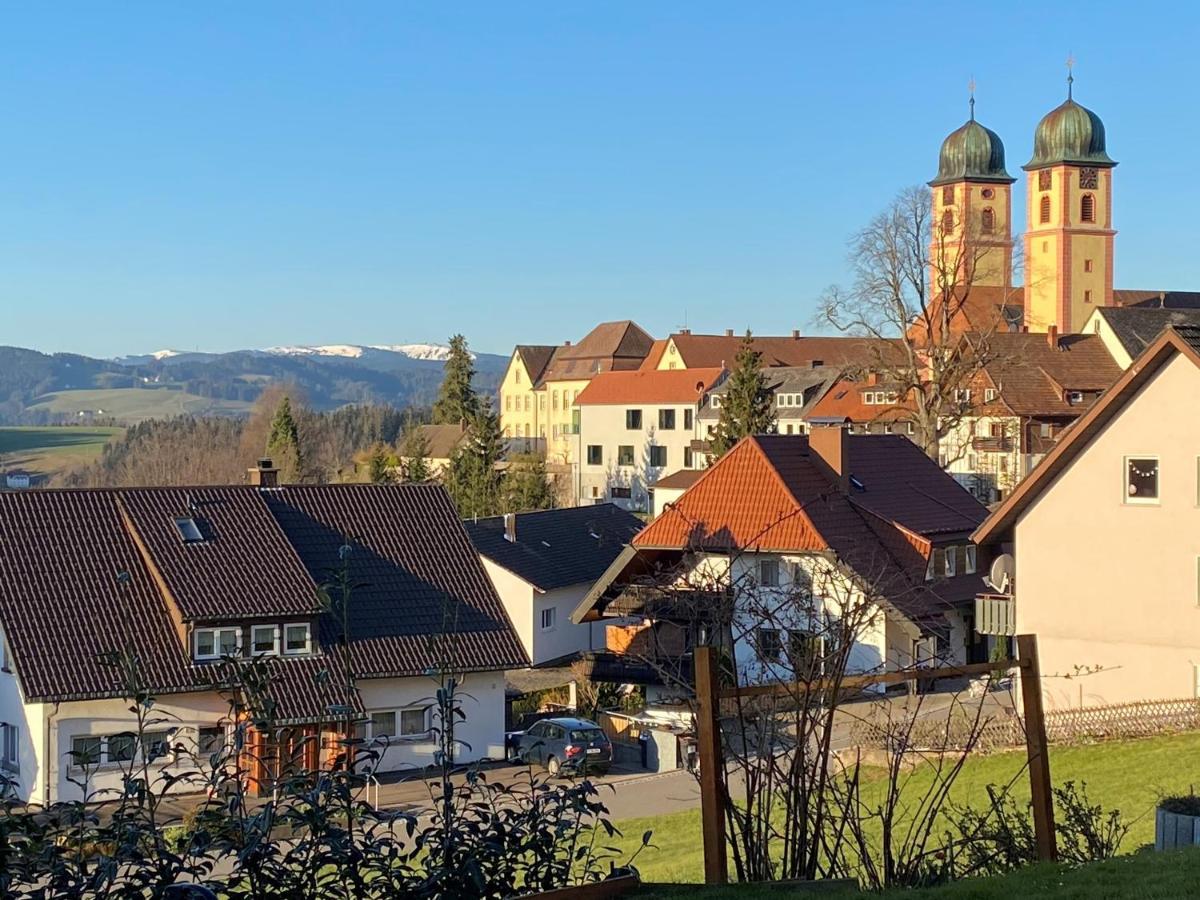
(565, 746)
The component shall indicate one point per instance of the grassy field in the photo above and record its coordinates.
(1143, 876)
(48, 450)
(132, 405)
(1128, 775)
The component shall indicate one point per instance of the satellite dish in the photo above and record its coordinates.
(1000, 577)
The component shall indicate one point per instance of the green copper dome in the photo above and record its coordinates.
(1069, 134)
(972, 153)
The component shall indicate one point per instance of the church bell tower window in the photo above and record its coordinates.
(1087, 208)
(988, 224)
(1044, 211)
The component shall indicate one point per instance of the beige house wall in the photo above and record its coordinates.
(518, 402)
(1111, 586)
(1097, 324)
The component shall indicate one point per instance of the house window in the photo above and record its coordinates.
(666, 419)
(962, 395)
(595, 455)
(803, 651)
(687, 420)
(213, 643)
(951, 557)
(988, 220)
(1141, 479)
(937, 564)
(188, 530)
(788, 429)
(1087, 208)
(715, 401)
(620, 493)
(120, 747)
(969, 559)
(768, 643)
(1044, 210)
(210, 739)
(516, 376)
(155, 745)
(689, 458)
(768, 572)
(297, 638)
(395, 723)
(1087, 265)
(1044, 430)
(85, 751)
(549, 615)
(508, 402)
(11, 751)
(555, 400)
(264, 639)
(633, 419)
(989, 394)
(595, 492)
(658, 456)
(625, 455)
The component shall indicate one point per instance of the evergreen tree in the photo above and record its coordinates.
(283, 442)
(472, 479)
(379, 465)
(746, 406)
(457, 400)
(414, 455)
(526, 486)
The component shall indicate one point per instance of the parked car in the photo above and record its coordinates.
(566, 747)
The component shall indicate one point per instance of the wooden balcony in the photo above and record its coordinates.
(993, 444)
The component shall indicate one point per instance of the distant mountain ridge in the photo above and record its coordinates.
(36, 388)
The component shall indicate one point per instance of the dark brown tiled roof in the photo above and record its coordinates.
(535, 358)
(1032, 376)
(708, 350)
(683, 478)
(74, 583)
(1157, 299)
(610, 346)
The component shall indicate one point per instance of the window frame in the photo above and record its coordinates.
(633, 420)
(553, 611)
(621, 455)
(666, 420)
(216, 631)
(950, 561)
(10, 740)
(599, 455)
(368, 724)
(308, 644)
(1132, 500)
(762, 567)
(689, 419)
(656, 452)
(276, 637)
(970, 559)
(761, 634)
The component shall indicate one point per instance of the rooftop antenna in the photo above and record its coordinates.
(1070, 73)
(971, 91)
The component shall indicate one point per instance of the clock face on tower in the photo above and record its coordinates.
(988, 193)
(1089, 179)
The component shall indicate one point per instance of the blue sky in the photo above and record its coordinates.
(223, 175)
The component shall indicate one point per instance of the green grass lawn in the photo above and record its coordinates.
(46, 450)
(1126, 775)
(135, 404)
(1143, 876)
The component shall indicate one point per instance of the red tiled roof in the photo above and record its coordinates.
(75, 584)
(844, 400)
(640, 386)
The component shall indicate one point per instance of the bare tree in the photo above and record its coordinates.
(917, 293)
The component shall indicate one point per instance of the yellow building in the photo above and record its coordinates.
(538, 391)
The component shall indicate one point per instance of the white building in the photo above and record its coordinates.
(635, 427)
(182, 577)
(543, 563)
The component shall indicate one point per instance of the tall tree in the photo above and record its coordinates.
(526, 486)
(283, 442)
(457, 400)
(379, 465)
(916, 292)
(414, 455)
(746, 406)
(472, 478)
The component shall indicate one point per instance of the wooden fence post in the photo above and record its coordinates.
(708, 735)
(1037, 747)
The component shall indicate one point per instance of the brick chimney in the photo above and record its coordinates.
(795, 334)
(829, 447)
(264, 474)
(728, 332)
(510, 527)
(1052, 337)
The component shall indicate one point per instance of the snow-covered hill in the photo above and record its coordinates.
(435, 352)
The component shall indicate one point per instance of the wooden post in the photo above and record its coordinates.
(708, 735)
(1037, 747)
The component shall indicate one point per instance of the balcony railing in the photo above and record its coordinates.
(993, 444)
(995, 614)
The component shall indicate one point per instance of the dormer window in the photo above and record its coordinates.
(297, 638)
(188, 530)
(213, 643)
(264, 640)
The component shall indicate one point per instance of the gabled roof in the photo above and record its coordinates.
(1135, 327)
(557, 547)
(1157, 299)
(1032, 377)
(442, 440)
(609, 346)
(1177, 339)
(535, 358)
(83, 572)
(642, 386)
(715, 350)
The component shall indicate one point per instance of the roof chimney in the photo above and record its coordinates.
(264, 474)
(829, 446)
(566, 343)
(1052, 337)
(795, 334)
(728, 332)
(510, 527)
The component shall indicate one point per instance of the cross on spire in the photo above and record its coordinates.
(1070, 73)
(971, 92)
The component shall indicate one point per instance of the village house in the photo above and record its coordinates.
(1104, 540)
(839, 520)
(543, 563)
(1128, 330)
(441, 442)
(634, 427)
(181, 577)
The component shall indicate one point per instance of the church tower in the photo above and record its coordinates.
(1069, 236)
(972, 211)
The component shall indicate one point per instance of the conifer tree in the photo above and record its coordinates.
(472, 479)
(526, 486)
(746, 405)
(379, 465)
(283, 442)
(414, 453)
(457, 400)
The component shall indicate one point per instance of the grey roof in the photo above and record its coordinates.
(557, 547)
(812, 381)
(1136, 326)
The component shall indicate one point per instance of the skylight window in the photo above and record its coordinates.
(188, 530)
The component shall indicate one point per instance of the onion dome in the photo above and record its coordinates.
(972, 153)
(1069, 134)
